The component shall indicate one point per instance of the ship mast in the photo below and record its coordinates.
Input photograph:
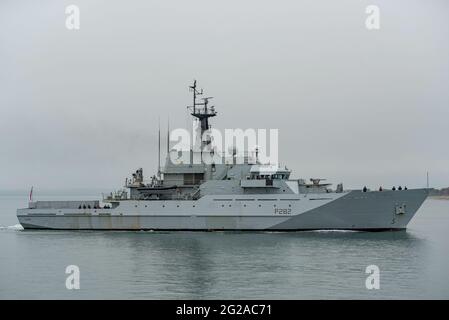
(201, 110)
(159, 150)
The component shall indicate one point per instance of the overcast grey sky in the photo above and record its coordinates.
(80, 108)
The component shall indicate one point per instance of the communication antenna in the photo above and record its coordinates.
(200, 110)
(159, 149)
(168, 135)
(195, 93)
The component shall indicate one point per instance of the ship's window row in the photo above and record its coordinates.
(244, 205)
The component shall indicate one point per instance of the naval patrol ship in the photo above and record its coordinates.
(231, 195)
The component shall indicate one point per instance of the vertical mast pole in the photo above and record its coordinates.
(194, 96)
(168, 136)
(159, 149)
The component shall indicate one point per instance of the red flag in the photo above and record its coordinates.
(31, 194)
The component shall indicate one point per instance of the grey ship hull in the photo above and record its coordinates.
(351, 210)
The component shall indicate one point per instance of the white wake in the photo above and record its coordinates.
(14, 227)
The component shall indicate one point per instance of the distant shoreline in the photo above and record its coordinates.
(439, 197)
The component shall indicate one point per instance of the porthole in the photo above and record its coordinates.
(260, 205)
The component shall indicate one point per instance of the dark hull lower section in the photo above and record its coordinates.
(218, 230)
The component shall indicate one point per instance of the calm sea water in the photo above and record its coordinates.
(224, 265)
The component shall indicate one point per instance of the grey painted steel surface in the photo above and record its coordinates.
(230, 195)
(355, 210)
(361, 211)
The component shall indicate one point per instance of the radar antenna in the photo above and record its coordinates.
(201, 110)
